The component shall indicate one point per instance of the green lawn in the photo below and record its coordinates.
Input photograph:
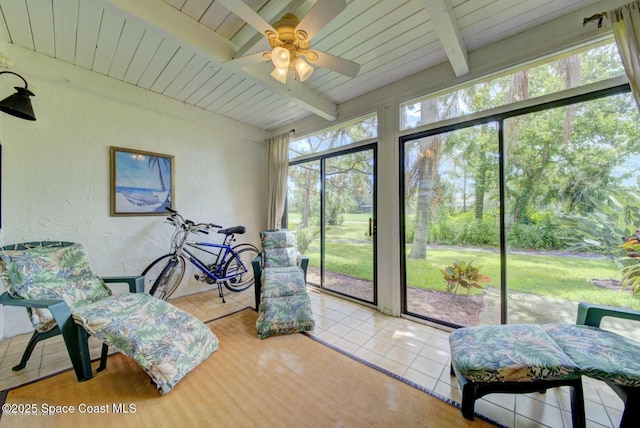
(563, 277)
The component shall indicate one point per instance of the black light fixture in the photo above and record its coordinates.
(18, 104)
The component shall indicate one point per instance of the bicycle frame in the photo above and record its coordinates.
(221, 257)
(179, 242)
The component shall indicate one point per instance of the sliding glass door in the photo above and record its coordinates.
(331, 202)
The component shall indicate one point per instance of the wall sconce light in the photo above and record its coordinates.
(18, 104)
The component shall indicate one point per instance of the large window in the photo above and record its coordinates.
(345, 134)
(579, 69)
(451, 221)
(518, 216)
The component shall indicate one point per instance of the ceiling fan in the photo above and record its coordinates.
(290, 39)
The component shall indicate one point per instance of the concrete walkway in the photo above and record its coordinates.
(533, 309)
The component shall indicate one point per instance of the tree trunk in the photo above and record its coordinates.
(481, 186)
(305, 209)
(429, 158)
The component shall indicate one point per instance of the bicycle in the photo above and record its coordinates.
(230, 265)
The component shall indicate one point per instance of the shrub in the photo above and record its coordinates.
(541, 232)
(545, 236)
(409, 228)
(305, 237)
(465, 275)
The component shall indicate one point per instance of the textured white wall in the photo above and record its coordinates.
(55, 171)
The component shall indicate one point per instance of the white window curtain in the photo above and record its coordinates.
(277, 173)
(625, 22)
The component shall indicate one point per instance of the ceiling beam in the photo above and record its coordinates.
(295, 90)
(171, 21)
(446, 25)
(207, 42)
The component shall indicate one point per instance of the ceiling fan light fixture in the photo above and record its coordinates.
(304, 70)
(280, 74)
(280, 57)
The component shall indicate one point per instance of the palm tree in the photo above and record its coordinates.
(154, 161)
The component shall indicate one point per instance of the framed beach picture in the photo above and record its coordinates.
(142, 183)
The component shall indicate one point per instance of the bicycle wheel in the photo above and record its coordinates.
(242, 279)
(163, 275)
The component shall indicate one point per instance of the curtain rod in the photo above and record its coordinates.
(597, 17)
(292, 130)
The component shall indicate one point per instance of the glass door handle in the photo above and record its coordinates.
(372, 227)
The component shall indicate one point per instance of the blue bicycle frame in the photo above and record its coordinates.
(221, 258)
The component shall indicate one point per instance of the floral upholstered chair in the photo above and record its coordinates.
(281, 290)
(54, 281)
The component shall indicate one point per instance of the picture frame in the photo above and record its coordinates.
(142, 183)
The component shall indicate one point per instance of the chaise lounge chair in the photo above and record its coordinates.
(53, 280)
(282, 300)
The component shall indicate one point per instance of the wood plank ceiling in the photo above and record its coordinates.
(178, 48)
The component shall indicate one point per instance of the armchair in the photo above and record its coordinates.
(53, 280)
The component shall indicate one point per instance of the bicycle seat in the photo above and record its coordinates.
(233, 230)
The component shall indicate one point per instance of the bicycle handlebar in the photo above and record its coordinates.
(189, 225)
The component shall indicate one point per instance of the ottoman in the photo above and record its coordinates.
(520, 358)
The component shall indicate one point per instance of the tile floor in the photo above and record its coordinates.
(413, 350)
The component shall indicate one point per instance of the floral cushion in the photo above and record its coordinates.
(52, 273)
(165, 340)
(599, 353)
(280, 238)
(279, 282)
(279, 248)
(280, 257)
(284, 315)
(509, 353)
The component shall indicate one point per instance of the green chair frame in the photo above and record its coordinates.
(75, 337)
(592, 315)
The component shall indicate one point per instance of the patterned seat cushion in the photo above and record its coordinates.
(280, 257)
(279, 248)
(166, 341)
(599, 353)
(283, 315)
(509, 353)
(278, 238)
(284, 281)
(52, 273)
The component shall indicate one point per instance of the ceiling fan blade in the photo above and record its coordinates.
(248, 15)
(337, 64)
(320, 15)
(244, 61)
